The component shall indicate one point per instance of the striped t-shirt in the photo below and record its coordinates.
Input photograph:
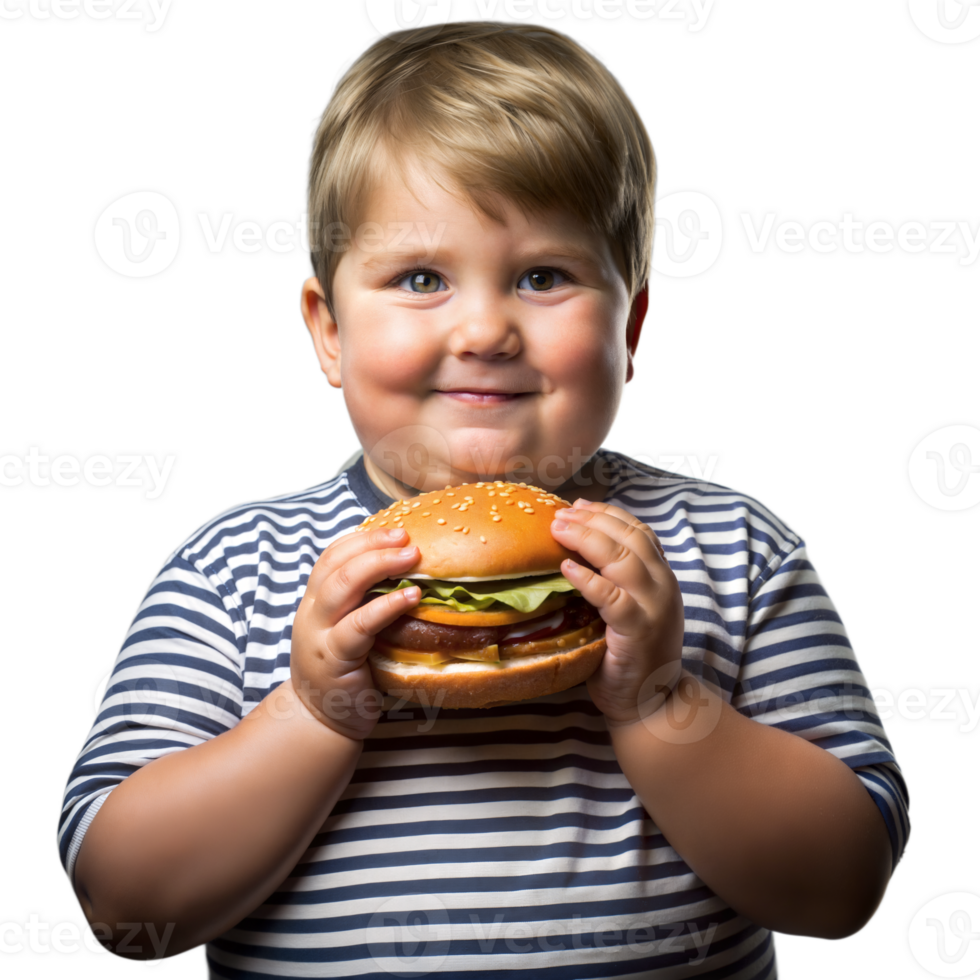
(504, 839)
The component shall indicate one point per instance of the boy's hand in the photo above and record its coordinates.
(333, 632)
(637, 595)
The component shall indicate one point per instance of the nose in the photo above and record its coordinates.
(485, 331)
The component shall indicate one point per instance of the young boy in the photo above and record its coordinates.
(481, 199)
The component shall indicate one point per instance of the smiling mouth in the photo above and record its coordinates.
(475, 396)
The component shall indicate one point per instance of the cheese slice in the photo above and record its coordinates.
(433, 613)
(404, 656)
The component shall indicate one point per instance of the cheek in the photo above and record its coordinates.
(382, 353)
(588, 352)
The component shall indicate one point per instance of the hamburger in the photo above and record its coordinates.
(497, 621)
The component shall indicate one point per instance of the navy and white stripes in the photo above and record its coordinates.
(499, 840)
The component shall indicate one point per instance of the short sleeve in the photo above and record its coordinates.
(177, 682)
(799, 673)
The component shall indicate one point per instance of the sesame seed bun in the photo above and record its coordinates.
(496, 530)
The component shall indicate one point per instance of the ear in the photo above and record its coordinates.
(323, 329)
(634, 325)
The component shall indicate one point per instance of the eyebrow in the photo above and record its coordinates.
(407, 256)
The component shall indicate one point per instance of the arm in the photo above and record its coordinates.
(200, 837)
(195, 840)
(779, 828)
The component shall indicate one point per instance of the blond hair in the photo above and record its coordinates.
(511, 110)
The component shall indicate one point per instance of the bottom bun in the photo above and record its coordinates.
(474, 684)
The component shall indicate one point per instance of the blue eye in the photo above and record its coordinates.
(541, 280)
(422, 281)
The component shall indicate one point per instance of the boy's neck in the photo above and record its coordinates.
(583, 484)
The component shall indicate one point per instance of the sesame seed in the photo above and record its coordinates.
(370, 519)
(450, 495)
(497, 517)
(466, 530)
(483, 539)
(462, 507)
(520, 503)
(491, 493)
(404, 503)
(438, 500)
(460, 528)
(522, 484)
(440, 521)
(425, 513)
(469, 498)
(400, 524)
(550, 503)
(493, 506)
(510, 502)
(480, 484)
(504, 493)
(454, 506)
(528, 510)
(447, 486)
(418, 503)
(382, 524)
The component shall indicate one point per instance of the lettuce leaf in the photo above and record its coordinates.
(522, 594)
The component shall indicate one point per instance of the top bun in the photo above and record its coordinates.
(479, 531)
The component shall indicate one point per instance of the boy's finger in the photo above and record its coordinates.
(344, 588)
(349, 545)
(350, 640)
(616, 604)
(615, 521)
(609, 544)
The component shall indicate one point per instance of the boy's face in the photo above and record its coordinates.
(470, 349)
